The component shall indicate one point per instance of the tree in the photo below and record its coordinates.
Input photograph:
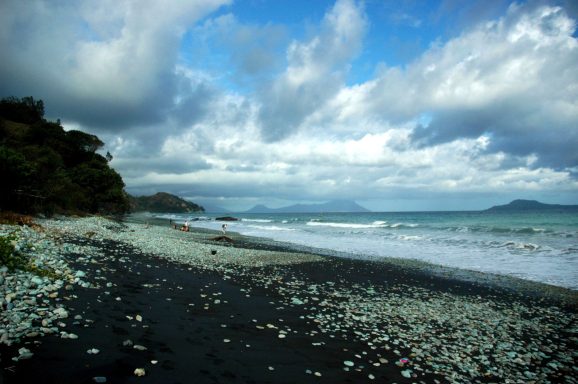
(46, 169)
(84, 142)
(25, 110)
(15, 174)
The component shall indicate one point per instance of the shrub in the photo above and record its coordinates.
(8, 255)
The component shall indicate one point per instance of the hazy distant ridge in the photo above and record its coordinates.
(530, 205)
(331, 206)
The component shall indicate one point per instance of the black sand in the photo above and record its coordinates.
(202, 328)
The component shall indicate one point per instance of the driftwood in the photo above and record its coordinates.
(223, 238)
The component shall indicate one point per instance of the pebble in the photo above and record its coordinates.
(139, 372)
(60, 313)
(24, 354)
(406, 373)
(99, 379)
(401, 318)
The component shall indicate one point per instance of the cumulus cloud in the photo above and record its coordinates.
(513, 80)
(495, 108)
(492, 109)
(315, 71)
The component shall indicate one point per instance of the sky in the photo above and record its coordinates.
(401, 105)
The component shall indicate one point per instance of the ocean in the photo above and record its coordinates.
(537, 246)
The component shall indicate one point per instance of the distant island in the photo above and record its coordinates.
(530, 205)
(163, 202)
(342, 206)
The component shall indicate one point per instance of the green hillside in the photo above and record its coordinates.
(163, 202)
(45, 169)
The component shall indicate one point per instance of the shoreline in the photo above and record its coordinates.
(534, 289)
(275, 314)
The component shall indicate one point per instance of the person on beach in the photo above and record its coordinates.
(185, 226)
(224, 229)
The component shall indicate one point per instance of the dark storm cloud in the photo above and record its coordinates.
(108, 68)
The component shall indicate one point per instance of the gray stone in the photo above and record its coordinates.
(406, 373)
(61, 313)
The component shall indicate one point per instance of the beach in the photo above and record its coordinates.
(142, 302)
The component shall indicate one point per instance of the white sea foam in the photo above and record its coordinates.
(344, 225)
(403, 225)
(257, 220)
(409, 238)
(520, 245)
(270, 228)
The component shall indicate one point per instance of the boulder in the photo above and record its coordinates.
(227, 218)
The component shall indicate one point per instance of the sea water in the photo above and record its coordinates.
(538, 246)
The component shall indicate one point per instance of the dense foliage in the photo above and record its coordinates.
(45, 169)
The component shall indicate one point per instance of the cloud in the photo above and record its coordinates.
(219, 108)
(513, 80)
(481, 113)
(106, 65)
(315, 71)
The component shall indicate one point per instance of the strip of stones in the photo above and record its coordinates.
(33, 305)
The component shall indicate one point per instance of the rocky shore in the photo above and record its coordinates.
(133, 302)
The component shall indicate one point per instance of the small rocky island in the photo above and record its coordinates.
(163, 202)
(531, 206)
